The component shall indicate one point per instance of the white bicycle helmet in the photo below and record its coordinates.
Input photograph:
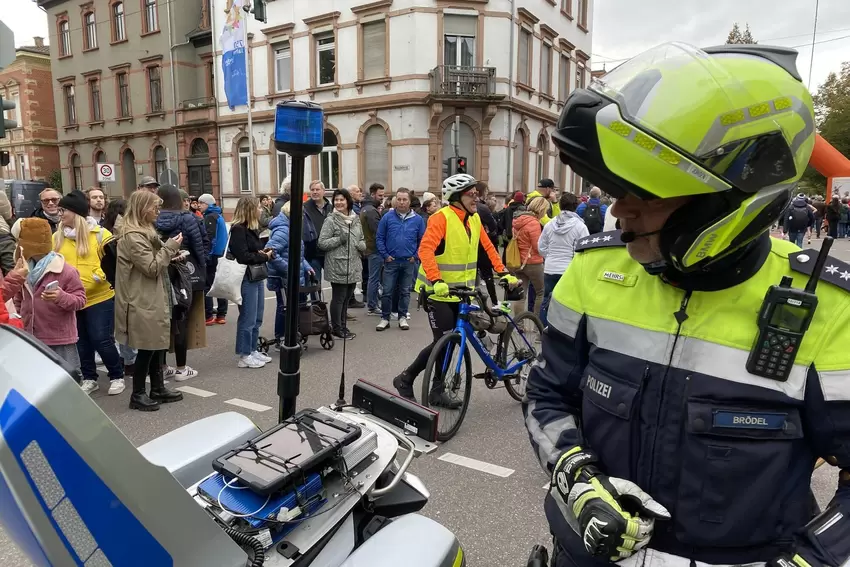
(457, 184)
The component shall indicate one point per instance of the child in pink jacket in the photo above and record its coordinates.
(49, 313)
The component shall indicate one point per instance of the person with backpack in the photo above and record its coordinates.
(215, 310)
(527, 263)
(143, 298)
(797, 220)
(79, 240)
(174, 219)
(593, 211)
(512, 208)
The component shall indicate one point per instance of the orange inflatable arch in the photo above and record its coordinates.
(829, 162)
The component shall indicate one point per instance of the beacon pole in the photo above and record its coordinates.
(298, 131)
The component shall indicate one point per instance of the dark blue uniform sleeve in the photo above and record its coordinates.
(552, 407)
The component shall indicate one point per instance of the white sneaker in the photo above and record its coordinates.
(116, 386)
(169, 371)
(264, 358)
(249, 362)
(89, 386)
(402, 324)
(383, 325)
(185, 374)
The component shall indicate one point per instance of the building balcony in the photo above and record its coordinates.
(452, 83)
(196, 111)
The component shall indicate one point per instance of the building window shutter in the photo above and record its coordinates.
(377, 156)
(460, 25)
(374, 49)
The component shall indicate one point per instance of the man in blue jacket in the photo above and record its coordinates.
(399, 234)
(217, 232)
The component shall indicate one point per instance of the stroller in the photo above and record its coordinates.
(313, 319)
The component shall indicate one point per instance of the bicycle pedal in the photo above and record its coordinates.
(481, 376)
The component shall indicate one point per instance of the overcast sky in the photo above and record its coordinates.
(623, 28)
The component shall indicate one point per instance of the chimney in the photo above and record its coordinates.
(39, 41)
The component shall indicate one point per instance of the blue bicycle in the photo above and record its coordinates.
(450, 363)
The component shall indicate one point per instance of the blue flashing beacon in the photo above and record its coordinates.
(299, 128)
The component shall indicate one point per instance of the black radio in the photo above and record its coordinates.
(783, 319)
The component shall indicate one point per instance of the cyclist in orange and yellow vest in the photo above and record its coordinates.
(449, 256)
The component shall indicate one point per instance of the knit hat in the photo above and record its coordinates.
(519, 197)
(207, 198)
(35, 238)
(76, 202)
(426, 196)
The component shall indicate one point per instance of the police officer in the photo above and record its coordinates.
(663, 448)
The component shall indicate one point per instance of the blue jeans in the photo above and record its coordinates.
(96, 330)
(398, 278)
(797, 237)
(376, 262)
(549, 283)
(250, 317)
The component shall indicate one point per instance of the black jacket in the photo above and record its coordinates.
(491, 227)
(39, 213)
(317, 217)
(170, 223)
(369, 219)
(245, 245)
(278, 204)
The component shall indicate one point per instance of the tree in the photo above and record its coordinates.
(55, 180)
(736, 36)
(832, 117)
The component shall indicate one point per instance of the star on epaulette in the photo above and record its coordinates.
(600, 240)
(834, 271)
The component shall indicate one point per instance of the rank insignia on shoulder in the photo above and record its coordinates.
(600, 240)
(835, 271)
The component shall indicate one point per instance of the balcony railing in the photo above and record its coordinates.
(460, 81)
(196, 110)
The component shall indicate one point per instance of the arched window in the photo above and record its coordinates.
(118, 31)
(244, 156)
(128, 171)
(542, 157)
(99, 157)
(329, 161)
(200, 148)
(160, 160)
(459, 142)
(520, 162)
(90, 31)
(77, 172)
(376, 157)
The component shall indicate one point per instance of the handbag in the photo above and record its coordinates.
(227, 283)
(257, 272)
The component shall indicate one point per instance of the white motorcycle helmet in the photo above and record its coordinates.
(457, 184)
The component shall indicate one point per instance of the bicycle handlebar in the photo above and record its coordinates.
(467, 293)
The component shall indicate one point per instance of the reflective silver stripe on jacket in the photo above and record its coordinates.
(692, 354)
(835, 385)
(563, 318)
(546, 437)
(655, 558)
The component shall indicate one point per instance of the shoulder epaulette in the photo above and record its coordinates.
(834, 271)
(600, 240)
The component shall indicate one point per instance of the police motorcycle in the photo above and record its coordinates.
(323, 488)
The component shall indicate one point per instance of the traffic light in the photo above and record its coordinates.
(259, 11)
(461, 165)
(4, 159)
(447, 168)
(4, 123)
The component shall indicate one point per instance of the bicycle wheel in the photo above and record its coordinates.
(443, 367)
(515, 349)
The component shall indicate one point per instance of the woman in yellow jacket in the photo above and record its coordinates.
(79, 239)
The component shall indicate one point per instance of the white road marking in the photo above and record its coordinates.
(247, 405)
(196, 391)
(477, 465)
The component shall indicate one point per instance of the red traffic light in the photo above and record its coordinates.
(461, 163)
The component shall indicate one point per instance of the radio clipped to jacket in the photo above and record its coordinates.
(783, 319)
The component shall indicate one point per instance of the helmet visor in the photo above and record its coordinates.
(686, 99)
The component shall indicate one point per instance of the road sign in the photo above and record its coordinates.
(105, 172)
(7, 45)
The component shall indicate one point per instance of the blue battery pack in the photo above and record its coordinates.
(241, 500)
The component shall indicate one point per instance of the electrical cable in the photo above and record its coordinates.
(243, 539)
(234, 514)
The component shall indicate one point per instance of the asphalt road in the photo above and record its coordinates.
(496, 518)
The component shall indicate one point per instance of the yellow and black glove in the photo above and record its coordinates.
(441, 289)
(614, 517)
(510, 280)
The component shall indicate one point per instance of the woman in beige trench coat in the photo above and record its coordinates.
(143, 298)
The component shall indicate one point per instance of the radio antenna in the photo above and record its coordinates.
(812, 284)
